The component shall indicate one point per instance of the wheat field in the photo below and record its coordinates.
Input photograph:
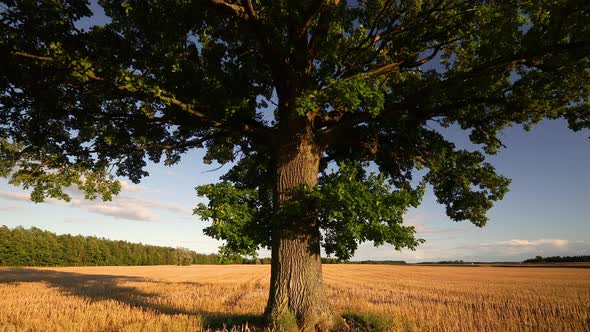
(391, 298)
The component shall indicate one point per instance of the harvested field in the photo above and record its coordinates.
(396, 298)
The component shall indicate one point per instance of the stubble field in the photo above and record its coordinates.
(392, 298)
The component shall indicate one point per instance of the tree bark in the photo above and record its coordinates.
(297, 300)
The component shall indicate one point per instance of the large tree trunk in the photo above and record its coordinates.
(297, 298)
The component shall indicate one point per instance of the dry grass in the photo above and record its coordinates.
(170, 298)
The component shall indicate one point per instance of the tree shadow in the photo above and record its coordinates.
(102, 287)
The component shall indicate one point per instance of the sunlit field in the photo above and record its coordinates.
(392, 298)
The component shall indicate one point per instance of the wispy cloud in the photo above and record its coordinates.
(14, 196)
(8, 208)
(504, 250)
(534, 243)
(417, 220)
(119, 207)
(425, 229)
(413, 217)
(518, 249)
(131, 187)
(123, 207)
(518, 244)
(172, 207)
(423, 252)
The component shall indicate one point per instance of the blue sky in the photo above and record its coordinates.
(546, 212)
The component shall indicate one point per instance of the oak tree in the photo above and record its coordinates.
(304, 97)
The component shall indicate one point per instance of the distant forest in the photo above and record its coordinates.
(558, 259)
(36, 247)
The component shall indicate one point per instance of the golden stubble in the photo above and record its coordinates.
(193, 298)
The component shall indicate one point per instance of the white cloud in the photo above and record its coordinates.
(13, 196)
(131, 187)
(422, 228)
(125, 212)
(516, 245)
(425, 229)
(367, 251)
(172, 207)
(527, 243)
(519, 249)
(505, 250)
(132, 208)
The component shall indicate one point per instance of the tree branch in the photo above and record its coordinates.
(385, 69)
(342, 124)
(322, 13)
(250, 9)
(247, 128)
(345, 121)
(186, 144)
(32, 56)
(396, 67)
(235, 10)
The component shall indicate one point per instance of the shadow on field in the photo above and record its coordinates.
(101, 287)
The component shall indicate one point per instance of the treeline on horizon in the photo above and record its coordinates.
(559, 259)
(538, 259)
(36, 247)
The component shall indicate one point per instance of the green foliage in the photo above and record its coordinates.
(233, 213)
(355, 207)
(368, 80)
(240, 208)
(35, 247)
(455, 173)
(352, 207)
(286, 322)
(369, 322)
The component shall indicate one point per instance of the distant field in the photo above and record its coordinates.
(396, 298)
